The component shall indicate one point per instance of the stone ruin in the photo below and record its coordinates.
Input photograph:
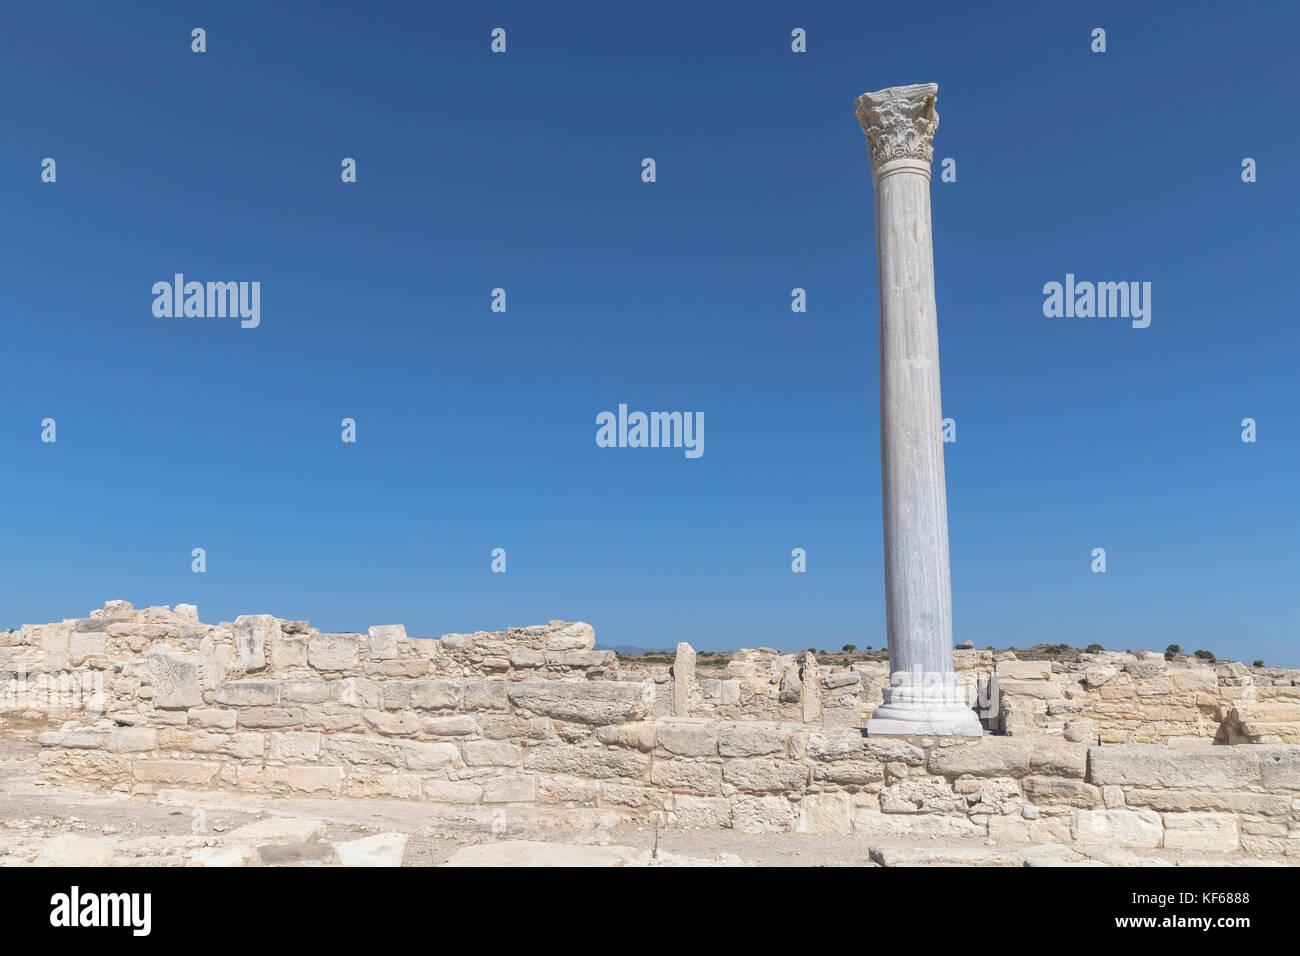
(1111, 749)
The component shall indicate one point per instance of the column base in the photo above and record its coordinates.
(937, 710)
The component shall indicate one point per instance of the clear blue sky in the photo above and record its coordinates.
(477, 430)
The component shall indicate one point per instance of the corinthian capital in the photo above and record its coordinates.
(899, 123)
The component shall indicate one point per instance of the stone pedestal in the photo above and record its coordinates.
(924, 696)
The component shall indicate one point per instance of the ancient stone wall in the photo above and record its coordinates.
(534, 719)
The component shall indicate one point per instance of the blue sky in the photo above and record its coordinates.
(476, 430)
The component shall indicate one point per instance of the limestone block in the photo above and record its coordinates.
(687, 739)
(574, 791)
(994, 796)
(1035, 689)
(81, 644)
(460, 645)
(295, 747)
(751, 740)
(830, 813)
(512, 727)
(326, 780)
(811, 701)
(875, 823)
(992, 756)
(288, 652)
(367, 750)
(72, 739)
(1080, 730)
(765, 776)
(305, 691)
(1099, 675)
(459, 725)
(837, 745)
(755, 814)
(1139, 828)
(1280, 767)
(563, 636)
(450, 791)
(1040, 830)
(178, 679)
(130, 740)
(846, 772)
(402, 723)
(1155, 765)
(249, 693)
(491, 753)
(1061, 791)
(436, 694)
(490, 694)
(1194, 679)
(580, 761)
(510, 789)
(252, 632)
(384, 783)
(923, 795)
(183, 772)
(270, 718)
(1202, 831)
(687, 775)
(693, 811)
(684, 683)
(215, 718)
(841, 679)
(593, 702)
(385, 641)
(1024, 670)
(333, 652)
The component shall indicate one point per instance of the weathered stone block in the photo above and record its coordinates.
(431, 756)
(687, 775)
(270, 717)
(1024, 670)
(333, 652)
(830, 813)
(178, 679)
(755, 814)
(182, 772)
(249, 693)
(1155, 765)
(1061, 791)
(488, 695)
(458, 725)
(1139, 828)
(579, 761)
(752, 740)
(252, 632)
(691, 811)
(594, 702)
(576, 636)
(491, 753)
(294, 747)
(688, 739)
(1202, 831)
(402, 723)
(386, 640)
(766, 776)
(131, 739)
(510, 789)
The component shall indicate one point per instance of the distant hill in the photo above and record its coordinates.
(631, 649)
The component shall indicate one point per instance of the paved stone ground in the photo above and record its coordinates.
(179, 828)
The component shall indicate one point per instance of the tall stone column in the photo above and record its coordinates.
(924, 696)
